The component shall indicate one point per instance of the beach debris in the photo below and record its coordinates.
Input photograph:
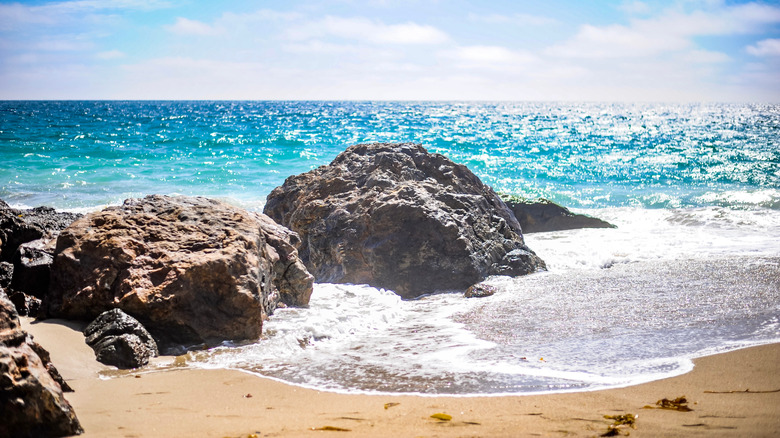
(391, 404)
(441, 416)
(613, 431)
(620, 422)
(678, 404)
(248, 396)
(332, 429)
(746, 391)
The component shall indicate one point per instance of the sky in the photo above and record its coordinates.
(559, 50)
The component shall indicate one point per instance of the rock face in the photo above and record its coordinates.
(192, 270)
(543, 215)
(27, 241)
(397, 217)
(119, 339)
(32, 266)
(31, 399)
(21, 226)
(6, 274)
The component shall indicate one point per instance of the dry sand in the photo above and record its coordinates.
(221, 403)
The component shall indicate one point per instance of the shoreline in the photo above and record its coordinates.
(232, 403)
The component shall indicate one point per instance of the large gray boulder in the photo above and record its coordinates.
(32, 403)
(397, 217)
(191, 270)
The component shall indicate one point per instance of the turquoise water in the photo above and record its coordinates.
(693, 267)
(89, 154)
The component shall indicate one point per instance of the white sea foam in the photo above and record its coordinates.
(660, 234)
(678, 283)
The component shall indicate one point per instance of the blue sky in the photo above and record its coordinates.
(686, 50)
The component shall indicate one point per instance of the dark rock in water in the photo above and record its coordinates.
(397, 217)
(31, 399)
(543, 215)
(120, 340)
(480, 290)
(191, 270)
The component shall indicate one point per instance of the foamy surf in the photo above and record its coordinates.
(674, 295)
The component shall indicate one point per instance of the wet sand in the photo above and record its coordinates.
(223, 403)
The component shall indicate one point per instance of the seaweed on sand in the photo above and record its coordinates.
(619, 423)
(678, 404)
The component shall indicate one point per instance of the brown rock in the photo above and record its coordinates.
(31, 399)
(397, 217)
(191, 270)
(480, 290)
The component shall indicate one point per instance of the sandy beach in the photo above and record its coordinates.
(732, 394)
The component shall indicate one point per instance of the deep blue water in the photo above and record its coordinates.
(71, 154)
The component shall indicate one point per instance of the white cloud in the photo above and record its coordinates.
(367, 30)
(670, 32)
(185, 26)
(15, 15)
(767, 47)
(617, 41)
(705, 57)
(185, 77)
(260, 15)
(110, 54)
(634, 7)
(488, 56)
(518, 19)
(70, 44)
(320, 47)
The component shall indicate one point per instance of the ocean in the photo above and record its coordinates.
(693, 267)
